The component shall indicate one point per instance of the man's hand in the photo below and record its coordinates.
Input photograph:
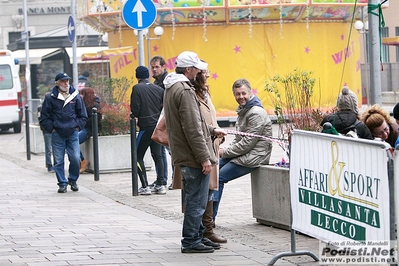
(206, 167)
(218, 132)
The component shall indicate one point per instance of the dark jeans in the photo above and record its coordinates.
(144, 141)
(227, 171)
(47, 149)
(196, 188)
(83, 136)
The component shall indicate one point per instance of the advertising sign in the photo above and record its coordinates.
(339, 187)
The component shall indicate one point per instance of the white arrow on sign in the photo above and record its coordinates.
(70, 28)
(139, 8)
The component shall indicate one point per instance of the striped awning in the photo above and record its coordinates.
(107, 54)
(391, 41)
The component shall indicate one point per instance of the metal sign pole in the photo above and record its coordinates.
(27, 65)
(74, 62)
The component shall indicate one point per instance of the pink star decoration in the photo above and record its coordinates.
(155, 48)
(237, 48)
(307, 49)
(215, 76)
(254, 91)
(342, 37)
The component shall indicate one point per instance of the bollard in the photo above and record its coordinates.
(94, 120)
(133, 151)
(27, 135)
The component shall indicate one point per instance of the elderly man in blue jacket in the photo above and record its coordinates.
(64, 115)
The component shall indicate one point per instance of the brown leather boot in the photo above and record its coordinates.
(83, 165)
(207, 221)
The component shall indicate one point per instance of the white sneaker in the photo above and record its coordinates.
(144, 191)
(159, 189)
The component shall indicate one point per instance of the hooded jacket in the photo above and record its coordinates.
(146, 103)
(63, 115)
(246, 150)
(188, 134)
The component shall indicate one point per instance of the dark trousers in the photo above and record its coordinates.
(144, 141)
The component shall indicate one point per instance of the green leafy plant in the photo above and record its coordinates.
(292, 97)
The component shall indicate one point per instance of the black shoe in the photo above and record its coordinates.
(62, 189)
(210, 243)
(199, 248)
(74, 186)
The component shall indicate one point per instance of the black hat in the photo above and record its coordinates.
(62, 76)
(396, 111)
(142, 72)
(85, 73)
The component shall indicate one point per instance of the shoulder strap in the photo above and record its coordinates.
(351, 126)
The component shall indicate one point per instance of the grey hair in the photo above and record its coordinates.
(240, 82)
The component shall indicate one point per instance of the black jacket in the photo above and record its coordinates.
(159, 81)
(343, 120)
(146, 102)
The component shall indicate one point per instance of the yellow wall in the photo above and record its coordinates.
(271, 50)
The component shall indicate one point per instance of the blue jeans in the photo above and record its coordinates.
(71, 146)
(47, 149)
(227, 171)
(83, 136)
(196, 188)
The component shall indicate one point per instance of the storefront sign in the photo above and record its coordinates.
(46, 10)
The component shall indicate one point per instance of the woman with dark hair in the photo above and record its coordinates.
(90, 101)
(208, 111)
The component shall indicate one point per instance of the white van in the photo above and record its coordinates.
(10, 93)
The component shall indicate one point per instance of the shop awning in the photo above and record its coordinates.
(391, 41)
(107, 54)
(35, 55)
(83, 50)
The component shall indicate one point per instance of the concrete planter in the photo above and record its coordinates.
(114, 151)
(114, 154)
(271, 196)
(36, 139)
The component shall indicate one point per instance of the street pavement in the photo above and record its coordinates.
(103, 224)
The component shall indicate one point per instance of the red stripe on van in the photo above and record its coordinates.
(8, 102)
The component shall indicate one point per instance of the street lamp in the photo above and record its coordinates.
(362, 28)
(158, 31)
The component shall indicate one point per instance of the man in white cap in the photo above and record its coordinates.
(191, 147)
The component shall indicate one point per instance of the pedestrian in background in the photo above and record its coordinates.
(380, 124)
(159, 73)
(146, 102)
(64, 115)
(208, 111)
(190, 142)
(47, 144)
(90, 102)
(83, 80)
(245, 153)
(347, 116)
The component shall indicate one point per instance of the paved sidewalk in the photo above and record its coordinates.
(103, 224)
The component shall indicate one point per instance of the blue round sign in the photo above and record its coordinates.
(139, 14)
(71, 29)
